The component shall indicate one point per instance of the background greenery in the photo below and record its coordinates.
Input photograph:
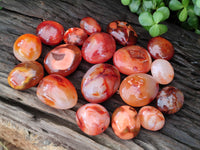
(152, 13)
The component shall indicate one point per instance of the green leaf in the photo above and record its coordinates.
(147, 27)
(194, 1)
(134, 5)
(154, 4)
(193, 22)
(146, 19)
(125, 2)
(163, 28)
(183, 15)
(158, 1)
(197, 10)
(165, 11)
(197, 31)
(185, 2)
(198, 3)
(186, 26)
(147, 4)
(157, 30)
(190, 10)
(175, 5)
(154, 30)
(140, 10)
(161, 5)
(157, 16)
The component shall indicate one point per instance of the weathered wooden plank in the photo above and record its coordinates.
(18, 17)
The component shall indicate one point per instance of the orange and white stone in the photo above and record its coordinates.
(151, 118)
(57, 92)
(125, 122)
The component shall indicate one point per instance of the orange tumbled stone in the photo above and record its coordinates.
(100, 82)
(151, 118)
(132, 59)
(27, 47)
(125, 122)
(57, 92)
(63, 60)
(138, 89)
(25, 75)
(93, 119)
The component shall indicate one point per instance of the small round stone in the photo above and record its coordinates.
(123, 32)
(50, 32)
(125, 122)
(58, 92)
(93, 119)
(162, 71)
(98, 48)
(132, 59)
(170, 100)
(160, 48)
(138, 89)
(63, 59)
(151, 118)
(90, 25)
(75, 36)
(25, 75)
(100, 82)
(27, 47)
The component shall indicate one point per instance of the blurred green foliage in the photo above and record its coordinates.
(153, 12)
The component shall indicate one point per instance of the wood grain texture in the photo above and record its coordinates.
(182, 130)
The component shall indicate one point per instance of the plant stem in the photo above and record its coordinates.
(4, 147)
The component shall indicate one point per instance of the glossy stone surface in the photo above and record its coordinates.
(138, 89)
(132, 59)
(98, 48)
(162, 71)
(50, 32)
(170, 100)
(125, 122)
(58, 92)
(93, 119)
(25, 75)
(75, 36)
(100, 82)
(63, 60)
(90, 25)
(151, 118)
(27, 47)
(160, 48)
(123, 32)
